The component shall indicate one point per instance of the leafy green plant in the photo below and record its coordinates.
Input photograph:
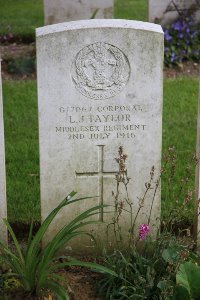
(188, 278)
(139, 274)
(148, 269)
(163, 269)
(136, 277)
(36, 268)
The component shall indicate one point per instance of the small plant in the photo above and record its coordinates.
(188, 278)
(36, 268)
(182, 41)
(163, 269)
(21, 66)
(155, 269)
(122, 182)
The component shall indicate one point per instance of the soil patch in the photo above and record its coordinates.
(14, 50)
(188, 68)
(18, 61)
(80, 283)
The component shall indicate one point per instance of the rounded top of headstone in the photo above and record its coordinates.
(98, 23)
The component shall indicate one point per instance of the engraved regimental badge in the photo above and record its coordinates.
(100, 71)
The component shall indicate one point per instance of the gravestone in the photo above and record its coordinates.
(197, 215)
(67, 10)
(3, 205)
(165, 12)
(97, 93)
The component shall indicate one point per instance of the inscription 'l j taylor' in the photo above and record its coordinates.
(100, 175)
(102, 118)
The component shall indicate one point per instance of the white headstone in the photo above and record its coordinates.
(166, 11)
(197, 215)
(99, 88)
(71, 10)
(3, 205)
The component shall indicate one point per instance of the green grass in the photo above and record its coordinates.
(131, 9)
(22, 162)
(21, 132)
(179, 130)
(179, 114)
(23, 16)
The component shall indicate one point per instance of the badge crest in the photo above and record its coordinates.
(100, 71)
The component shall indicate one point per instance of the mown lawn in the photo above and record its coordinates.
(21, 17)
(131, 9)
(179, 130)
(22, 158)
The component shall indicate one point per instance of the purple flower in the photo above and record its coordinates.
(177, 26)
(167, 36)
(143, 231)
(180, 35)
(180, 25)
(173, 57)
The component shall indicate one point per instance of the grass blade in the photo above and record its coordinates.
(96, 267)
(30, 235)
(57, 289)
(18, 248)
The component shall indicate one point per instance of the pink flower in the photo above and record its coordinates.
(143, 231)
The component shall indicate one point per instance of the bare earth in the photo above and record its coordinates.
(80, 283)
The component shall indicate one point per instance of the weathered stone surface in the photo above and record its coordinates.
(99, 88)
(165, 12)
(67, 10)
(3, 205)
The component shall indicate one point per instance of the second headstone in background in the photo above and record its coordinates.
(166, 11)
(3, 204)
(71, 10)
